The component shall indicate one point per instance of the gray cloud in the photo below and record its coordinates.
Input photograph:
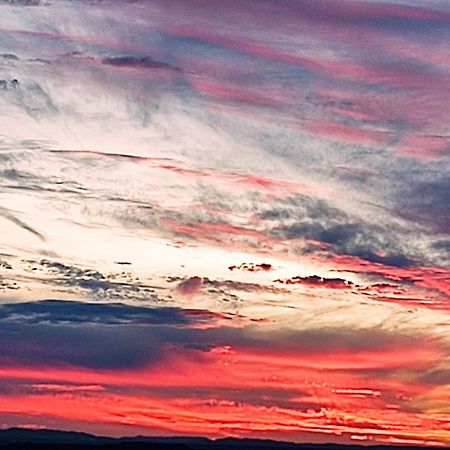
(9, 56)
(31, 96)
(113, 287)
(62, 332)
(315, 219)
(21, 2)
(12, 218)
(427, 202)
(75, 312)
(139, 62)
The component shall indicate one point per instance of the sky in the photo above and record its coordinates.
(226, 218)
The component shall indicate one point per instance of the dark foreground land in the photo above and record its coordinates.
(25, 439)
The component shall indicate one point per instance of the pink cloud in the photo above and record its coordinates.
(424, 147)
(190, 286)
(346, 133)
(232, 93)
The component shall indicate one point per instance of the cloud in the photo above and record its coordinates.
(56, 333)
(9, 56)
(190, 286)
(32, 98)
(313, 219)
(113, 286)
(57, 326)
(380, 14)
(433, 278)
(345, 133)
(75, 312)
(425, 202)
(252, 267)
(316, 281)
(21, 2)
(129, 365)
(424, 147)
(224, 287)
(12, 218)
(136, 62)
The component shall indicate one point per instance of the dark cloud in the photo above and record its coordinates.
(267, 397)
(12, 218)
(313, 219)
(316, 281)
(139, 62)
(302, 207)
(5, 265)
(251, 267)
(8, 84)
(102, 346)
(442, 247)
(436, 376)
(224, 286)
(18, 387)
(90, 335)
(114, 287)
(362, 14)
(74, 312)
(427, 203)
(70, 271)
(21, 2)
(392, 259)
(10, 56)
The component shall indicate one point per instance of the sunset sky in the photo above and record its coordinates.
(226, 218)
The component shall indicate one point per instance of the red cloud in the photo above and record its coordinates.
(435, 279)
(322, 391)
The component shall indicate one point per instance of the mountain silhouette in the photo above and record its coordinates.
(44, 439)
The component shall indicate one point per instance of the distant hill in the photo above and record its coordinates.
(43, 439)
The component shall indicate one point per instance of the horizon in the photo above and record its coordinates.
(212, 440)
(226, 219)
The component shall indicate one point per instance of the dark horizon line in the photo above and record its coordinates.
(71, 438)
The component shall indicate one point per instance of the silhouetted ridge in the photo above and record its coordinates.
(43, 439)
